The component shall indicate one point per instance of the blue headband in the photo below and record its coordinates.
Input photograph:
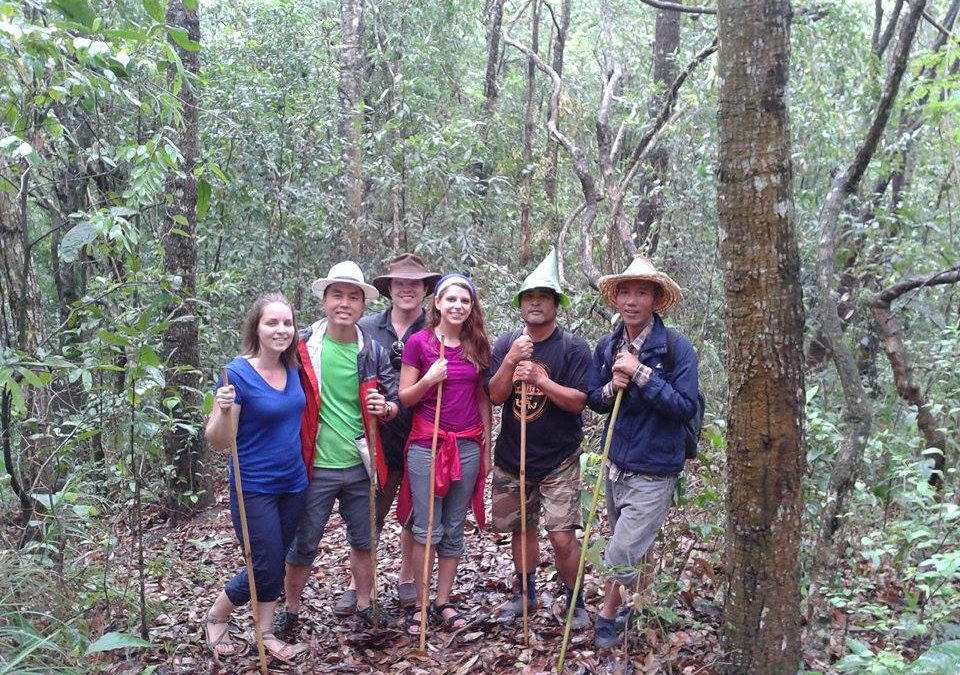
(454, 278)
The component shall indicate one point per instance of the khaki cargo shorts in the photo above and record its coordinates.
(558, 492)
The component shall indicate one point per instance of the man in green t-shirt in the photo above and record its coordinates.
(348, 381)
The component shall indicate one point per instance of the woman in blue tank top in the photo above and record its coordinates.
(263, 402)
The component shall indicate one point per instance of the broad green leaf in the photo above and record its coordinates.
(156, 9)
(203, 198)
(75, 239)
(942, 659)
(76, 10)
(183, 40)
(115, 640)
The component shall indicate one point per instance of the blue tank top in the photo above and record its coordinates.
(268, 433)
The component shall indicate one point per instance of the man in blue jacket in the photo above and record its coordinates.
(648, 444)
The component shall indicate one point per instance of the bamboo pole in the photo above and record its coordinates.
(425, 581)
(586, 531)
(374, 534)
(247, 553)
(523, 513)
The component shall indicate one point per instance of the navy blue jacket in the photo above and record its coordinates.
(649, 436)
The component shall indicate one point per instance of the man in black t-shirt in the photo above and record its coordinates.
(554, 365)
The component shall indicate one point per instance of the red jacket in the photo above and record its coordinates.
(373, 371)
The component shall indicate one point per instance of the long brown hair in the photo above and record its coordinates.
(249, 340)
(473, 335)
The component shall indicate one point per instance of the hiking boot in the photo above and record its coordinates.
(512, 609)
(606, 635)
(285, 624)
(347, 604)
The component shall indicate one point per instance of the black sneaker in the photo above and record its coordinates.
(285, 624)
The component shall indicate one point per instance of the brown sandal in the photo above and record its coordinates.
(449, 622)
(238, 646)
(288, 653)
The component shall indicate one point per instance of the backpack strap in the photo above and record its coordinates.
(669, 357)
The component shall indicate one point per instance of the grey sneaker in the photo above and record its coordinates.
(606, 635)
(512, 609)
(285, 624)
(347, 604)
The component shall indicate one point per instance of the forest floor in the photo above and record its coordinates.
(187, 567)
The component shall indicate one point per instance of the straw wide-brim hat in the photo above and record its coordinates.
(406, 266)
(346, 272)
(641, 269)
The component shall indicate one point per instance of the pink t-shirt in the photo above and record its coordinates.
(460, 409)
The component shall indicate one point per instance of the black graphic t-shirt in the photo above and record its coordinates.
(552, 434)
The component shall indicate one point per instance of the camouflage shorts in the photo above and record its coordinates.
(558, 492)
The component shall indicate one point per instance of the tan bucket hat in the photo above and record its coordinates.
(406, 266)
(641, 269)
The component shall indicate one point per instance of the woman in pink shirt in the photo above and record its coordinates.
(463, 442)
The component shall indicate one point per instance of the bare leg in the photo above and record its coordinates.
(293, 584)
(361, 565)
(406, 556)
(566, 555)
(533, 550)
(446, 573)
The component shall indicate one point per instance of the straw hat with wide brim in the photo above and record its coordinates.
(406, 266)
(346, 272)
(641, 269)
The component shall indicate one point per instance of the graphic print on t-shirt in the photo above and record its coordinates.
(536, 399)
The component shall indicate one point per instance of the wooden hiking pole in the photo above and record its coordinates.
(247, 553)
(374, 535)
(523, 513)
(425, 585)
(586, 532)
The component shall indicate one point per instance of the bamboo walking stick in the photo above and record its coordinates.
(247, 553)
(425, 582)
(586, 532)
(374, 535)
(523, 513)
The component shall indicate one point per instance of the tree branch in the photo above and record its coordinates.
(581, 165)
(675, 7)
(881, 46)
(886, 297)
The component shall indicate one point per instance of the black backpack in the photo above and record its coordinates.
(694, 425)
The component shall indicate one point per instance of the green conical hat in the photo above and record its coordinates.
(547, 275)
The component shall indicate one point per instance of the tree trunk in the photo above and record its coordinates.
(526, 172)
(764, 320)
(351, 119)
(666, 43)
(494, 21)
(190, 486)
(553, 148)
(22, 322)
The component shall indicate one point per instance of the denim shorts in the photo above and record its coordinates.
(351, 488)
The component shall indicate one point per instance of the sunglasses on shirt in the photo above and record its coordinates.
(396, 354)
